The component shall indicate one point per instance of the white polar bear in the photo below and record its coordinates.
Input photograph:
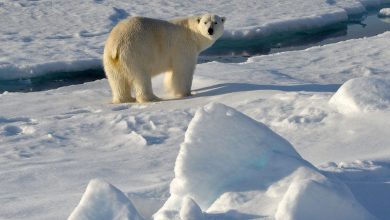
(139, 48)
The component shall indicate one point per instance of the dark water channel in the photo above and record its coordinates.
(366, 25)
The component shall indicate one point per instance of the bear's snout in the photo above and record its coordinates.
(211, 31)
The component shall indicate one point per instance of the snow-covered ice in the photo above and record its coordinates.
(363, 94)
(384, 12)
(53, 143)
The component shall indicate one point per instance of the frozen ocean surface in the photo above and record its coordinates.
(67, 152)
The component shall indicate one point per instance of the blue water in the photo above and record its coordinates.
(229, 50)
(51, 81)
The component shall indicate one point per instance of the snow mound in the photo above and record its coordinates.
(384, 12)
(233, 167)
(102, 201)
(312, 196)
(364, 94)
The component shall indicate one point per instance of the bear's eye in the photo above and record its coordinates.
(215, 22)
(205, 22)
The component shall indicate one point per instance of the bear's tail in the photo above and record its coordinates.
(110, 59)
(111, 50)
(114, 53)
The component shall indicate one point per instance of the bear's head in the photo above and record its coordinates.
(211, 26)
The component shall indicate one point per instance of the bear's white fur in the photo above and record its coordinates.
(139, 48)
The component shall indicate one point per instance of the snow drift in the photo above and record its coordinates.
(364, 94)
(233, 167)
(102, 201)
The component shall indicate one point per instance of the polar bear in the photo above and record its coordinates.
(139, 48)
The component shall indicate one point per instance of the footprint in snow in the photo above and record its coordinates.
(11, 130)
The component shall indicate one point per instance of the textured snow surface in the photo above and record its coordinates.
(74, 130)
(102, 201)
(234, 166)
(52, 143)
(40, 37)
(329, 66)
(362, 95)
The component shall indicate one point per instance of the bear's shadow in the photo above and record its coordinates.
(226, 88)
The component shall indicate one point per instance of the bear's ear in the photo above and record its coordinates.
(223, 19)
(198, 19)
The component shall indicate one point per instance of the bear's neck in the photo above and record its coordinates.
(201, 42)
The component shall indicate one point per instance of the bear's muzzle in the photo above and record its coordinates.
(211, 31)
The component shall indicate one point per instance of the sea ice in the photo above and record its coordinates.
(384, 12)
(71, 38)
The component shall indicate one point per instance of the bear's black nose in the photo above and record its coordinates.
(211, 31)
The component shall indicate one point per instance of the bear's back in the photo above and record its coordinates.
(143, 25)
(145, 30)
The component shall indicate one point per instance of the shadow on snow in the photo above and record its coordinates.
(225, 88)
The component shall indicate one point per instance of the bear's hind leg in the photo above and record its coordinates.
(121, 89)
(143, 89)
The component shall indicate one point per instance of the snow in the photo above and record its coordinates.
(367, 180)
(103, 201)
(230, 162)
(226, 143)
(319, 199)
(75, 41)
(325, 71)
(384, 12)
(52, 143)
(362, 95)
(190, 210)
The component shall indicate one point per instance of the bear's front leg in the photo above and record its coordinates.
(143, 89)
(179, 80)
